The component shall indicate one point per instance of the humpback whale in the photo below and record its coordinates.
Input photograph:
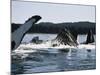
(90, 37)
(19, 33)
(68, 37)
(65, 37)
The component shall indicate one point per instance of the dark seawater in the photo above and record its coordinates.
(45, 61)
(42, 61)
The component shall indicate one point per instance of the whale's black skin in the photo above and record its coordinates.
(19, 33)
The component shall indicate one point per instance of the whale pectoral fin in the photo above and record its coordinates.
(13, 45)
(19, 33)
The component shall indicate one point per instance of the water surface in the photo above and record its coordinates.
(46, 60)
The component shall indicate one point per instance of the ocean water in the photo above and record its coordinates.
(36, 58)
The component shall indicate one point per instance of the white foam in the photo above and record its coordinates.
(43, 45)
(46, 46)
(86, 46)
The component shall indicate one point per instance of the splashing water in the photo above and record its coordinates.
(34, 58)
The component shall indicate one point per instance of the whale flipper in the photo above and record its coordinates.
(19, 33)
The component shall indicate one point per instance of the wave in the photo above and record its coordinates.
(31, 47)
